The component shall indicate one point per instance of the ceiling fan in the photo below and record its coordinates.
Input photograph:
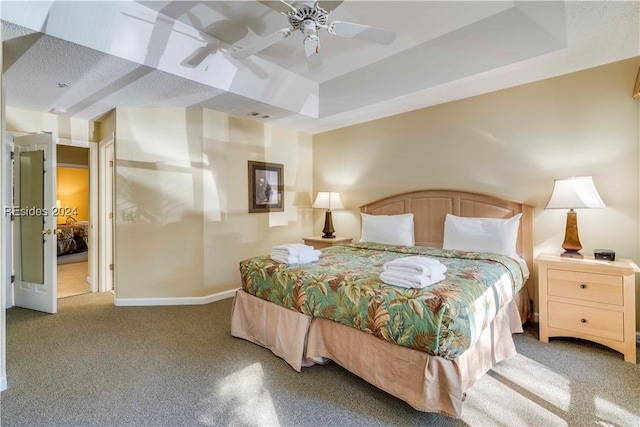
(309, 20)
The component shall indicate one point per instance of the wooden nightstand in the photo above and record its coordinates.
(589, 299)
(318, 242)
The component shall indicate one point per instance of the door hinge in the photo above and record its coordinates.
(12, 155)
(110, 163)
(13, 278)
(111, 267)
(110, 215)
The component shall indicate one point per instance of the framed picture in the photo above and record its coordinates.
(636, 89)
(266, 187)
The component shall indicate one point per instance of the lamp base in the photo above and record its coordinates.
(328, 227)
(571, 254)
(571, 244)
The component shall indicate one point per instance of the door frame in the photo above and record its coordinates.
(106, 233)
(93, 278)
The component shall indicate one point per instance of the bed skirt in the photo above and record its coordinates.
(427, 383)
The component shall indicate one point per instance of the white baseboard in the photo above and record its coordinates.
(3, 383)
(136, 302)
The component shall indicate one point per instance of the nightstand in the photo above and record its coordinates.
(318, 242)
(588, 299)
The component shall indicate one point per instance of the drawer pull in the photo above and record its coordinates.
(583, 286)
(583, 320)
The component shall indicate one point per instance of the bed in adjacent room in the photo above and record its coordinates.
(425, 346)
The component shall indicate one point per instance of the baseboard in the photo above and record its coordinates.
(136, 302)
(3, 383)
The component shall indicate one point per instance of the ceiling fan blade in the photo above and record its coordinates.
(199, 55)
(328, 6)
(279, 6)
(312, 50)
(261, 44)
(361, 32)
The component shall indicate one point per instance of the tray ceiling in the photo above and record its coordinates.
(177, 53)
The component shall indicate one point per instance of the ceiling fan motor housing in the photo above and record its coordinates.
(307, 19)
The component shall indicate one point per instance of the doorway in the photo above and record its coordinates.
(86, 273)
(72, 215)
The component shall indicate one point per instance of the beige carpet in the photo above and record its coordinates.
(94, 364)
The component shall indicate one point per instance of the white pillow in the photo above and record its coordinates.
(493, 235)
(388, 229)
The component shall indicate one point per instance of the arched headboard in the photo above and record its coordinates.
(430, 207)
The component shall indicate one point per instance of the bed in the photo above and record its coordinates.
(284, 307)
(72, 237)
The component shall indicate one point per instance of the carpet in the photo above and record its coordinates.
(95, 364)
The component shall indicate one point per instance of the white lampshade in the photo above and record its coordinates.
(328, 200)
(574, 193)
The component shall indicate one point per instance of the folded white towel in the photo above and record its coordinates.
(294, 249)
(416, 265)
(294, 259)
(424, 270)
(404, 280)
(294, 253)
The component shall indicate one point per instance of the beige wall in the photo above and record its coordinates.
(181, 177)
(511, 143)
(107, 124)
(20, 120)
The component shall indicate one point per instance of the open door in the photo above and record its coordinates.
(34, 212)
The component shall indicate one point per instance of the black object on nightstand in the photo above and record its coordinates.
(604, 254)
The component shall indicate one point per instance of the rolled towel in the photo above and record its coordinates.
(416, 265)
(416, 281)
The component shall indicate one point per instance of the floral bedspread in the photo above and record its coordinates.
(443, 319)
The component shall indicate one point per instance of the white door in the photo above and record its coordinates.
(35, 223)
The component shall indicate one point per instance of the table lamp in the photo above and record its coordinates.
(328, 200)
(573, 193)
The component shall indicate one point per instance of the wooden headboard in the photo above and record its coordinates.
(430, 207)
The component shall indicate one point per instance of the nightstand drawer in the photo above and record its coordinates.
(587, 320)
(594, 287)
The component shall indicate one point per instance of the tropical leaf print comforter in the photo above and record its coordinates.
(443, 319)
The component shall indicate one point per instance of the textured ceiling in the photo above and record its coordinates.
(177, 53)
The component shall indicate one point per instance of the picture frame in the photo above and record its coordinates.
(636, 89)
(266, 187)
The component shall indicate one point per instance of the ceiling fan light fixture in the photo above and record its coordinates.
(308, 27)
